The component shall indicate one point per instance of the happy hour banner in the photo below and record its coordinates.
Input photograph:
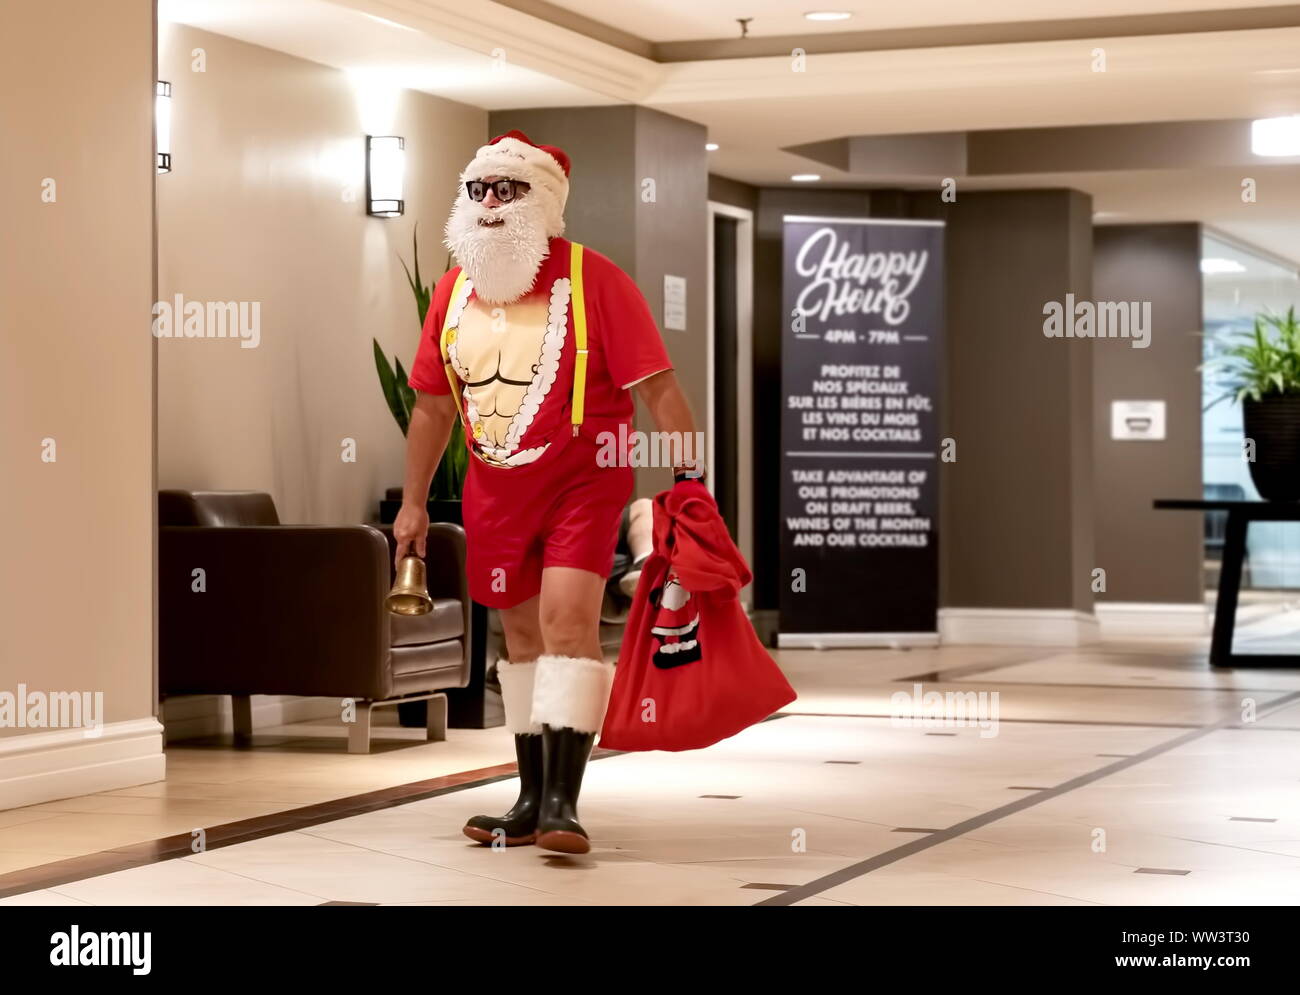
(861, 364)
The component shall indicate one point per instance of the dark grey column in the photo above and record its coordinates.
(1017, 527)
(1150, 556)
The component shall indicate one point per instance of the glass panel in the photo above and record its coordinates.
(1237, 285)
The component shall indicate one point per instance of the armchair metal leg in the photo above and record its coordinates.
(437, 719)
(359, 729)
(241, 707)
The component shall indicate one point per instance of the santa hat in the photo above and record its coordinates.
(544, 168)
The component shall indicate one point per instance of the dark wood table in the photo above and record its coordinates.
(1240, 515)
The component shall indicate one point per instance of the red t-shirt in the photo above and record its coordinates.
(514, 362)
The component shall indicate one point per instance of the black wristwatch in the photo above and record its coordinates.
(682, 473)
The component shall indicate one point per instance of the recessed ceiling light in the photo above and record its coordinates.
(1276, 136)
(1213, 265)
(805, 177)
(710, 146)
(828, 15)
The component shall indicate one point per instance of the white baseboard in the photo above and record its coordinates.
(193, 715)
(1136, 619)
(1017, 627)
(854, 640)
(64, 763)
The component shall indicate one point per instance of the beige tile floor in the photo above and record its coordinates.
(1108, 762)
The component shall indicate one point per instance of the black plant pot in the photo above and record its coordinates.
(1274, 425)
(439, 511)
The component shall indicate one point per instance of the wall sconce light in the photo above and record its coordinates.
(385, 168)
(162, 123)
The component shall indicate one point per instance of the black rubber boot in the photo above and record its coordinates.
(518, 827)
(566, 752)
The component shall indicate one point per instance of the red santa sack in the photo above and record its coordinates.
(691, 671)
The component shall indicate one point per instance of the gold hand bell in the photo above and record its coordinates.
(410, 593)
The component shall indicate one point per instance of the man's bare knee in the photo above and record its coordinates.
(523, 633)
(569, 630)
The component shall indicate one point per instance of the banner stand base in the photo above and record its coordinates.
(855, 640)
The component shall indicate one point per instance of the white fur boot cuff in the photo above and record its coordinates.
(517, 695)
(572, 692)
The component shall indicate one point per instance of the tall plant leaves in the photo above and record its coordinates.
(388, 382)
(404, 390)
(423, 294)
(449, 478)
(1260, 363)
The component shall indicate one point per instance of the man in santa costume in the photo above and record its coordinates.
(535, 343)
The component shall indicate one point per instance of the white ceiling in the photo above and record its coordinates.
(686, 20)
(755, 107)
(349, 38)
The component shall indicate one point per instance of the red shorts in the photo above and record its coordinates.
(562, 511)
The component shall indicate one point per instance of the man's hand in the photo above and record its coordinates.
(411, 530)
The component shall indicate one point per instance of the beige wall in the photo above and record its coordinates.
(266, 203)
(76, 357)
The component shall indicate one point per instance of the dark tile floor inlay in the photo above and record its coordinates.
(914, 829)
(1158, 870)
(844, 761)
(1026, 787)
(729, 797)
(1248, 818)
(767, 887)
(941, 734)
(1114, 754)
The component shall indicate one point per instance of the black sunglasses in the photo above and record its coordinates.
(506, 190)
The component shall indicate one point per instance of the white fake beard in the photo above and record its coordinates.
(501, 260)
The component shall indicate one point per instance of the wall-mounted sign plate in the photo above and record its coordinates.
(1137, 421)
(675, 303)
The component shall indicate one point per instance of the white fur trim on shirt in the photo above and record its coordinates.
(517, 681)
(572, 692)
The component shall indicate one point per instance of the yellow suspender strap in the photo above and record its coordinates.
(580, 335)
(446, 359)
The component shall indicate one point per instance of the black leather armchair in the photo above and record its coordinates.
(249, 606)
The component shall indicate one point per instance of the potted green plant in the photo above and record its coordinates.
(449, 479)
(1261, 370)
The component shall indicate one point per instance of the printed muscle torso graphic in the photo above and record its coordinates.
(508, 358)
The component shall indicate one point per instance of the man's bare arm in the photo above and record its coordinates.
(426, 438)
(664, 398)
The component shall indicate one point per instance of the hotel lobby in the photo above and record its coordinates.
(985, 320)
